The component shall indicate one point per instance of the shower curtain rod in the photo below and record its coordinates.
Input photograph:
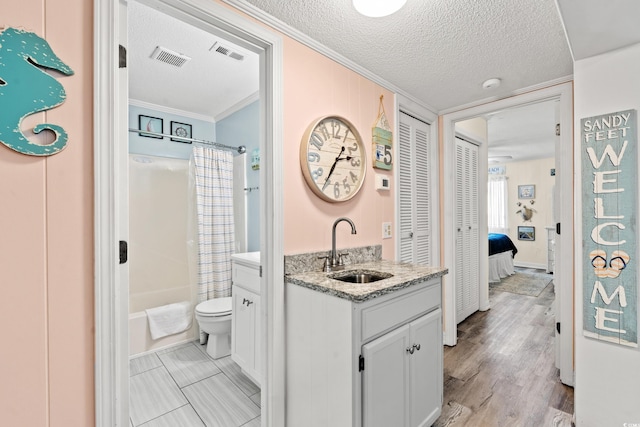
(240, 149)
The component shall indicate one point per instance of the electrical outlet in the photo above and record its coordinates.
(386, 230)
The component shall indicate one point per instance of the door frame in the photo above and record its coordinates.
(564, 157)
(111, 300)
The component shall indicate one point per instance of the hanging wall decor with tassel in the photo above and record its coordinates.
(382, 140)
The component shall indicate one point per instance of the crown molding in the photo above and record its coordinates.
(533, 88)
(169, 110)
(237, 106)
(298, 36)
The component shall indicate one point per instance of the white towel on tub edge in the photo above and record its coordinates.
(169, 319)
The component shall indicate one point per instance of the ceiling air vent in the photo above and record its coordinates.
(169, 57)
(217, 47)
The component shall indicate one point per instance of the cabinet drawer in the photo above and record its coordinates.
(387, 315)
(248, 278)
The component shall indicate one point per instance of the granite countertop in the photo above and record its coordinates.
(404, 275)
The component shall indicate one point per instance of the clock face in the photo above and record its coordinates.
(332, 159)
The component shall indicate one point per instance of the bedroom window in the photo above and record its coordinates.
(497, 204)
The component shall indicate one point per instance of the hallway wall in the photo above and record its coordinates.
(531, 172)
(315, 86)
(607, 375)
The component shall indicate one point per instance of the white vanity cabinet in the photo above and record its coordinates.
(365, 364)
(402, 380)
(246, 339)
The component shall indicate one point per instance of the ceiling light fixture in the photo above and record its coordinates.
(378, 8)
(491, 83)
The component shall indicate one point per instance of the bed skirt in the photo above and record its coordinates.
(500, 265)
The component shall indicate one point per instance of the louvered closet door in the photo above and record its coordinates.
(414, 188)
(466, 219)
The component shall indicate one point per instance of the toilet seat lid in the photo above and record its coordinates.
(215, 307)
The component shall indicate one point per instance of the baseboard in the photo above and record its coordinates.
(530, 265)
(165, 347)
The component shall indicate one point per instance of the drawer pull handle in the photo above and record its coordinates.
(416, 346)
(410, 350)
(246, 301)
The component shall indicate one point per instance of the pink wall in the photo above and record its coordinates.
(315, 86)
(46, 243)
(46, 216)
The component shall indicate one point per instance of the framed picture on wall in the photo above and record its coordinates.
(182, 130)
(526, 232)
(150, 124)
(526, 191)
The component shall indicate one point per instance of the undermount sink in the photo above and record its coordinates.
(360, 276)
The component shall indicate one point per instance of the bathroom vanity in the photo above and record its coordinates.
(246, 340)
(365, 354)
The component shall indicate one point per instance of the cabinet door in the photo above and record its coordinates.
(257, 334)
(385, 384)
(425, 369)
(243, 328)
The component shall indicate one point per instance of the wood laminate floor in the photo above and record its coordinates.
(502, 371)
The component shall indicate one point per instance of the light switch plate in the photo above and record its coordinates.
(386, 230)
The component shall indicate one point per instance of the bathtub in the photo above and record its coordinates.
(140, 341)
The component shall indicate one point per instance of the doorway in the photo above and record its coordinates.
(563, 272)
(186, 82)
(112, 387)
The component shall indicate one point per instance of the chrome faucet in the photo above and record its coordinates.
(335, 261)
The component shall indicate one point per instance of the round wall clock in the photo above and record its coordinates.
(332, 158)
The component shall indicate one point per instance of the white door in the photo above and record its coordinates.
(425, 369)
(563, 270)
(414, 187)
(467, 286)
(385, 384)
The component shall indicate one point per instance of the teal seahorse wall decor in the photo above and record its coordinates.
(25, 88)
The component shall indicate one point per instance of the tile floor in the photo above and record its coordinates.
(182, 386)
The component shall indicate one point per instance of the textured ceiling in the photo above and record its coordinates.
(525, 133)
(209, 84)
(440, 51)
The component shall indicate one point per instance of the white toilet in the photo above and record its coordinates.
(214, 318)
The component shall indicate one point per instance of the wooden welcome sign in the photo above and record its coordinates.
(609, 212)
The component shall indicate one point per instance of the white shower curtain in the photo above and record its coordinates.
(213, 170)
